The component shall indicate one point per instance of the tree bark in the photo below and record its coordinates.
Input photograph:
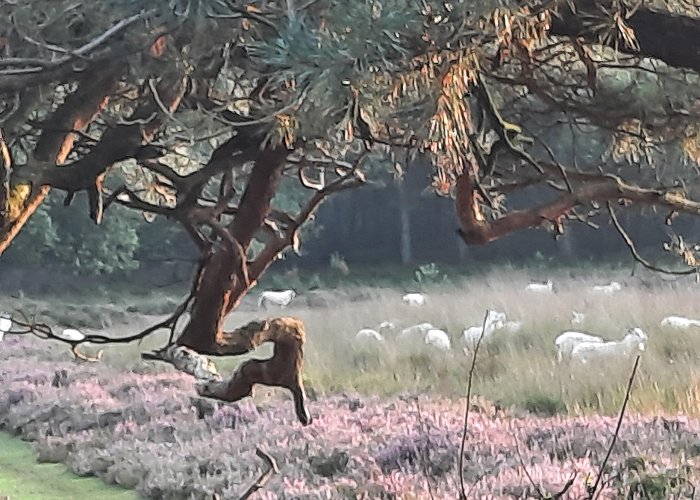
(222, 283)
(226, 276)
(224, 280)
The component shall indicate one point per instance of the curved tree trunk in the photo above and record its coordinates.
(224, 279)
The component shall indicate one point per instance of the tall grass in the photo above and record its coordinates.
(519, 370)
(516, 371)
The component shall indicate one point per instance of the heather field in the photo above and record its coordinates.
(388, 417)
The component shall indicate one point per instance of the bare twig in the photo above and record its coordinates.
(462, 489)
(71, 54)
(635, 253)
(592, 491)
(264, 476)
(537, 488)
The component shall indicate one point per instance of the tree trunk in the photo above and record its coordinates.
(222, 282)
(404, 223)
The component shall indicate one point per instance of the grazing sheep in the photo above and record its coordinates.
(609, 289)
(5, 325)
(546, 287)
(415, 330)
(511, 327)
(634, 341)
(577, 318)
(679, 322)
(414, 299)
(494, 321)
(373, 333)
(368, 334)
(438, 338)
(279, 298)
(567, 342)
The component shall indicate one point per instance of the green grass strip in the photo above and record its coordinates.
(22, 478)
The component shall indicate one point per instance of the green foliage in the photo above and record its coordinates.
(66, 237)
(106, 249)
(36, 242)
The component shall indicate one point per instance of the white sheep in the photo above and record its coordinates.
(577, 318)
(368, 334)
(679, 322)
(546, 287)
(279, 298)
(416, 330)
(511, 327)
(5, 325)
(71, 334)
(634, 342)
(609, 289)
(414, 299)
(494, 321)
(438, 338)
(567, 341)
(374, 334)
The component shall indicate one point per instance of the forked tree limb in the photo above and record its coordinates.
(637, 256)
(290, 236)
(7, 235)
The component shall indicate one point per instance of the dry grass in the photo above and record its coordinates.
(520, 371)
(517, 371)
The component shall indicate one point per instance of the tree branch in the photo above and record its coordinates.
(635, 253)
(592, 491)
(465, 424)
(659, 34)
(476, 230)
(271, 468)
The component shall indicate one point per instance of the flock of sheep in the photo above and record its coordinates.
(572, 344)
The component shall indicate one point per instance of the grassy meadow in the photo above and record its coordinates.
(518, 371)
(368, 440)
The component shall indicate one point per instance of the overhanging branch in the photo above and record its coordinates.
(475, 229)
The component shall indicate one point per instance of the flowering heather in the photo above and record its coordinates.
(149, 432)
